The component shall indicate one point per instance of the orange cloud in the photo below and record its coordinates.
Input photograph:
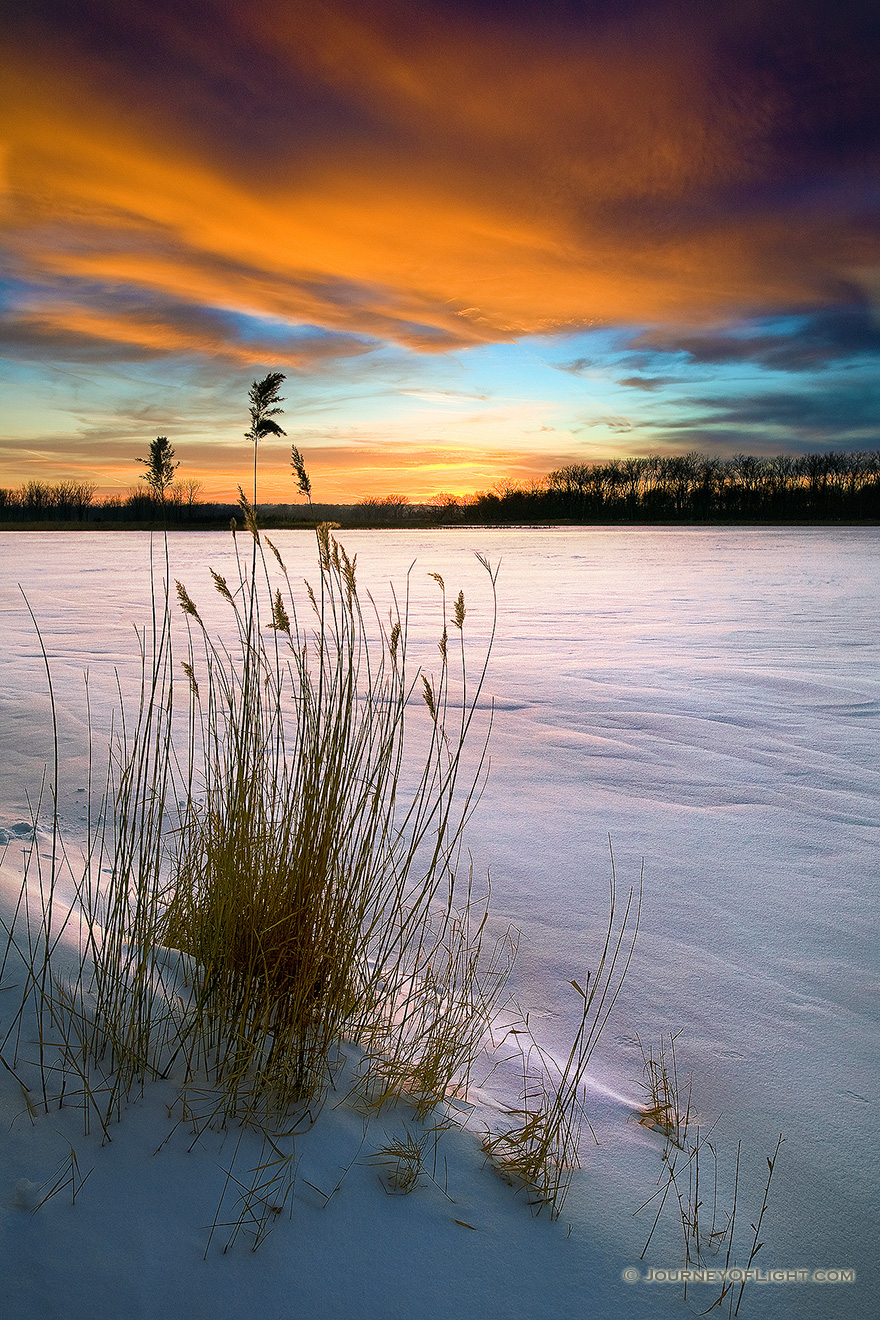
(505, 186)
(96, 334)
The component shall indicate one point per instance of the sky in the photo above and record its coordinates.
(481, 238)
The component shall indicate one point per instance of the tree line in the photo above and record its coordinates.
(78, 501)
(692, 487)
(695, 488)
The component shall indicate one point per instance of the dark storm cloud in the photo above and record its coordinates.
(838, 417)
(807, 343)
(836, 412)
(647, 383)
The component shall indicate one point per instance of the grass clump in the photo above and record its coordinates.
(664, 1111)
(317, 903)
(403, 1161)
(272, 868)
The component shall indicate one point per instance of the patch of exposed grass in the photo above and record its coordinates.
(689, 1180)
(538, 1150)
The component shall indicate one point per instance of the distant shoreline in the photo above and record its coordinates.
(268, 524)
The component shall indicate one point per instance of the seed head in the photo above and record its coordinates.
(186, 604)
(220, 584)
(280, 617)
(428, 695)
(193, 685)
(250, 517)
(274, 550)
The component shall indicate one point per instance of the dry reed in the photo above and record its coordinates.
(257, 883)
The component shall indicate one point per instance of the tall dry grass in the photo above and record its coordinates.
(271, 869)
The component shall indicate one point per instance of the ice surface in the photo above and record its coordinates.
(709, 698)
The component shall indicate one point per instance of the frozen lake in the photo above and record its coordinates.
(709, 698)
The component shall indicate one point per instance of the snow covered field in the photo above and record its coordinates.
(708, 697)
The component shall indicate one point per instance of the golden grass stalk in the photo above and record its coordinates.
(538, 1151)
(404, 1160)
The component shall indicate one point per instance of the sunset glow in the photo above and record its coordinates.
(478, 245)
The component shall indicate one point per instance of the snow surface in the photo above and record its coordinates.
(709, 698)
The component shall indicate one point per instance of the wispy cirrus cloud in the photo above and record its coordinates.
(647, 383)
